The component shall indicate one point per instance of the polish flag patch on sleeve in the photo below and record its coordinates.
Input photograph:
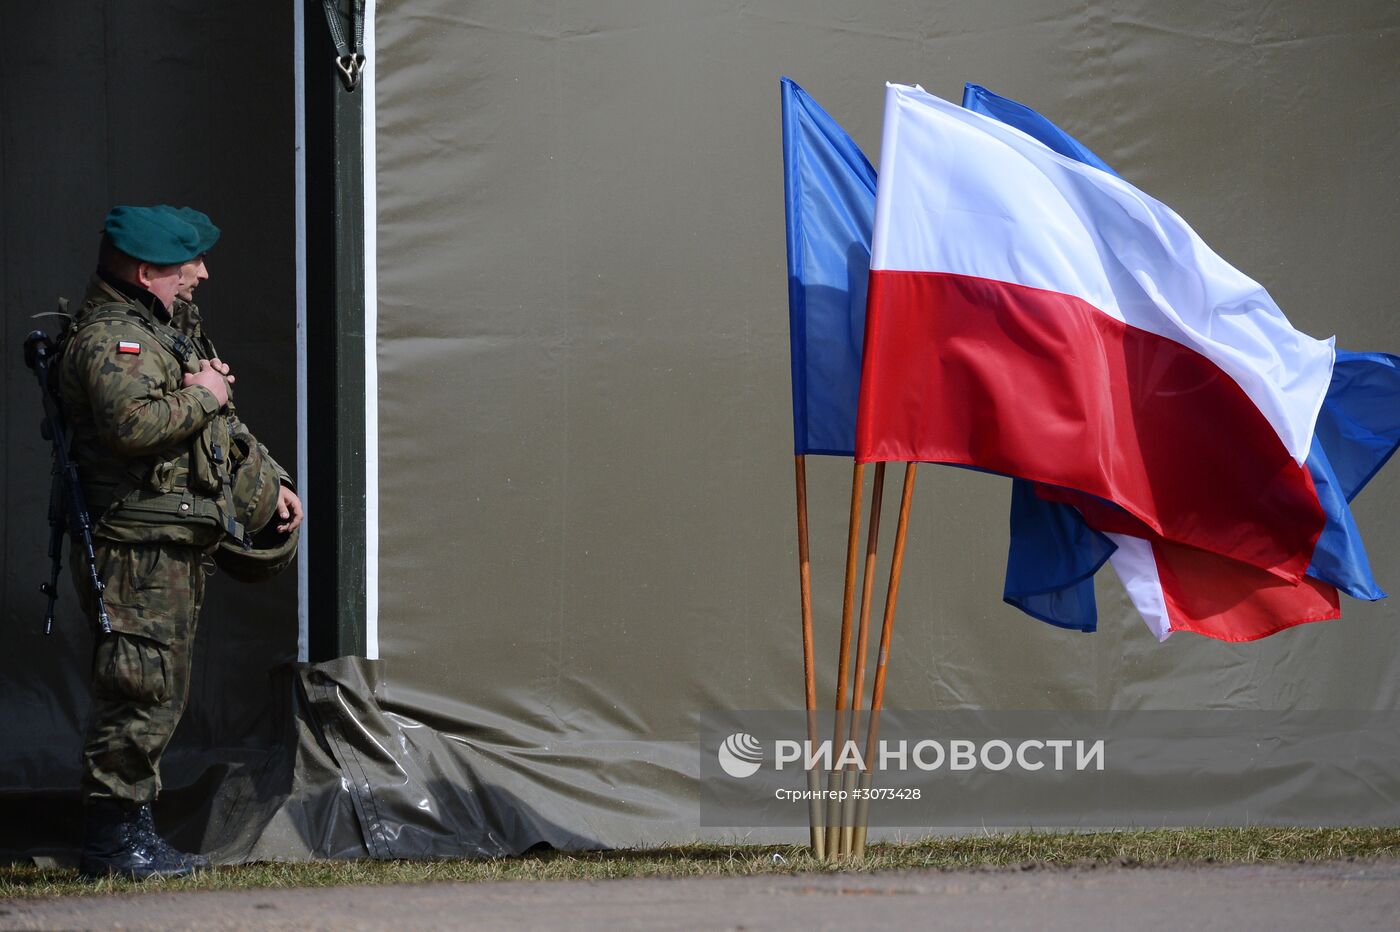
(126, 346)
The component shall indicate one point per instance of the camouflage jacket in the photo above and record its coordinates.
(153, 454)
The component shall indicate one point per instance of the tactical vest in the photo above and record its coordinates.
(264, 552)
(181, 494)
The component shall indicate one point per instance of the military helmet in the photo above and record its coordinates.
(265, 551)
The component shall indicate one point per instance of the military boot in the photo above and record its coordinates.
(114, 844)
(147, 822)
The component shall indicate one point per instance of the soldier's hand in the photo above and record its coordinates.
(211, 378)
(289, 510)
(222, 367)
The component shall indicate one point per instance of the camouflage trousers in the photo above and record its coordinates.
(141, 671)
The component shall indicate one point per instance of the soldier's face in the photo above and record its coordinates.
(163, 281)
(191, 274)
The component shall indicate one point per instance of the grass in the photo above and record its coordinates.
(1022, 850)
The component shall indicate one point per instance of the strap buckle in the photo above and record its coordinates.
(351, 67)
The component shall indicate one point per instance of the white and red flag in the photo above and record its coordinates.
(1038, 317)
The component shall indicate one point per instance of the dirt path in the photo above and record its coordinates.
(1355, 895)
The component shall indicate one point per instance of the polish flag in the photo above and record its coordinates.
(1034, 316)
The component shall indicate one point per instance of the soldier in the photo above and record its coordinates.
(154, 447)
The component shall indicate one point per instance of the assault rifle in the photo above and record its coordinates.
(67, 508)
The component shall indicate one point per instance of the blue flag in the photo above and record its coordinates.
(1003, 109)
(830, 194)
(1357, 431)
(1053, 553)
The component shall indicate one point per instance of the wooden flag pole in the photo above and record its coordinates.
(809, 671)
(862, 643)
(878, 697)
(833, 809)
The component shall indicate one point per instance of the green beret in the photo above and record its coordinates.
(151, 234)
(208, 233)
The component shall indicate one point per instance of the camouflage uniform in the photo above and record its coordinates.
(141, 671)
(154, 457)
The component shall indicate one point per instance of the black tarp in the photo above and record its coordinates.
(104, 103)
